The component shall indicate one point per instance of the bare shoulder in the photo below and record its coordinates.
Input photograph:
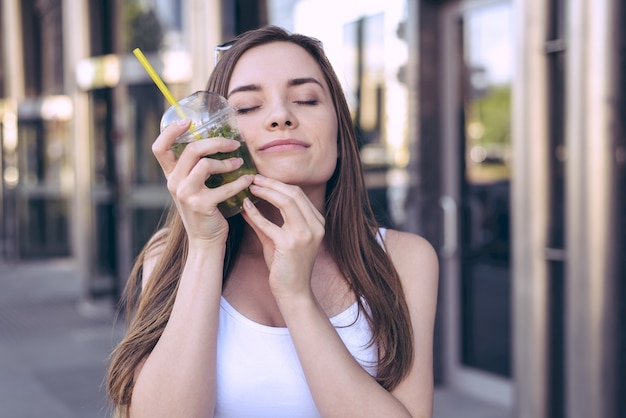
(412, 255)
(417, 265)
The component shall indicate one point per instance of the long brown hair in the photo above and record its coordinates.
(351, 237)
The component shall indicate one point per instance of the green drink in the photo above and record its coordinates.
(211, 116)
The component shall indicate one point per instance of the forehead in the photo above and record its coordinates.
(274, 62)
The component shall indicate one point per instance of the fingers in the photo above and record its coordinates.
(203, 169)
(193, 192)
(290, 247)
(201, 148)
(302, 222)
(187, 174)
(254, 218)
(290, 200)
(162, 149)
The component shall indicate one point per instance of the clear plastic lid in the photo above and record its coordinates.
(209, 113)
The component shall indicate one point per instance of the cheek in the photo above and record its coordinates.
(332, 150)
(247, 129)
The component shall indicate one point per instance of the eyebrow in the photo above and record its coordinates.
(300, 81)
(247, 87)
(291, 83)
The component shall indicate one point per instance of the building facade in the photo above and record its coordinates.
(493, 128)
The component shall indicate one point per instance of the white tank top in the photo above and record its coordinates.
(258, 371)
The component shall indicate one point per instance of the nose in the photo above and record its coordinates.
(281, 117)
(276, 124)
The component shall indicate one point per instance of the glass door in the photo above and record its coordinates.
(42, 201)
(150, 198)
(9, 176)
(476, 202)
(485, 190)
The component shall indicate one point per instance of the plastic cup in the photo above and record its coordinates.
(211, 116)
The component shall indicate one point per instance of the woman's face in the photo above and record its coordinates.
(285, 113)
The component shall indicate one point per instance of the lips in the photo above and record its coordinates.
(284, 145)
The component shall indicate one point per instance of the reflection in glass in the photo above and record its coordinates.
(152, 24)
(43, 227)
(44, 153)
(148, 107)
(104, 183)
(373, 61)
(42, 204)
(485, 189)
(3, 68)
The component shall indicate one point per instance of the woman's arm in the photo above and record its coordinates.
(418, 267)
(178, 377)
(338, 383)
(340, 386)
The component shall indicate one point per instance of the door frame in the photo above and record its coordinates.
(476, 383)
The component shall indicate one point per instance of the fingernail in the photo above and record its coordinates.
(247, 203)
(182, 122)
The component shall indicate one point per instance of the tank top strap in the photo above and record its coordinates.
(380, 236)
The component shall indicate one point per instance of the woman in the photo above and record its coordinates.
(300, 306)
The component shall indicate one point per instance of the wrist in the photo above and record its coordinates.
(292, 303)
(205, 250)
(210, 238)
(204, 266)
(207, 244)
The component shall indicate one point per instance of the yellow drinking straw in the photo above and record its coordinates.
(161, 85)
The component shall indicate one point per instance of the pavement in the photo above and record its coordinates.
(54, 349)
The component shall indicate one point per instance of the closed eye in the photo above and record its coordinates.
(307, 102)
(244, 110)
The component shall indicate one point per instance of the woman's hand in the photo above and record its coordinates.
(196, 203)
(289, 249)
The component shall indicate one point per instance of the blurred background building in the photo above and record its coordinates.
(494, 128)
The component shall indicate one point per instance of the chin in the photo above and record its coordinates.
(287, 175)
(298, 176)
